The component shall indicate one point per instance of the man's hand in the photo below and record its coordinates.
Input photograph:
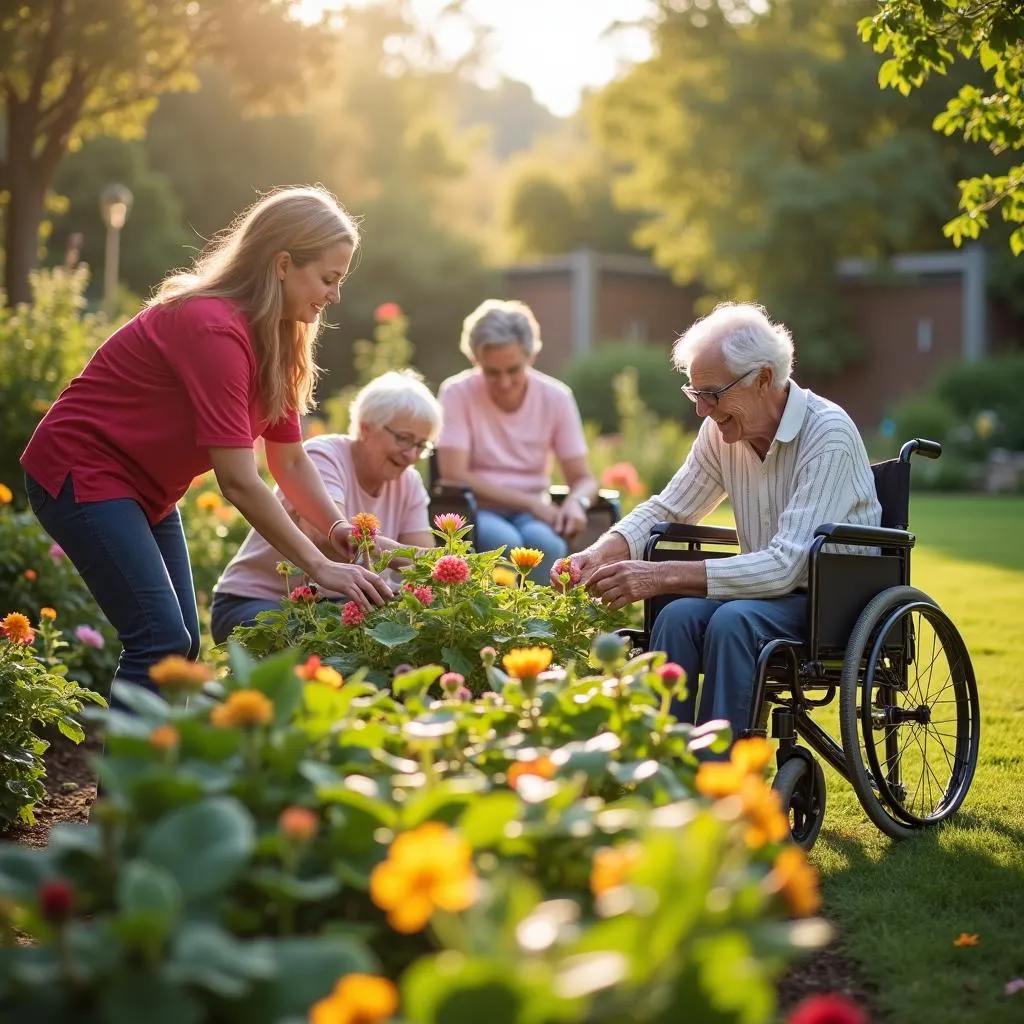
(622, 583)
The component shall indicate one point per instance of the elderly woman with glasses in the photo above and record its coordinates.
(393, 423)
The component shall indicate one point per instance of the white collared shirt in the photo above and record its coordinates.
(816, 471)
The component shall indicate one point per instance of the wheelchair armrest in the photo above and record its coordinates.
(606, 500)
(691, 533)
(865, 536)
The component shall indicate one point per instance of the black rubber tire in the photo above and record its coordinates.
(800, 783)
(883, 804)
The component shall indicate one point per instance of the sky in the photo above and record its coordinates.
(558, 47)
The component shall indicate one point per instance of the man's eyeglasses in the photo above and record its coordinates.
(712, 397)
(409, 442)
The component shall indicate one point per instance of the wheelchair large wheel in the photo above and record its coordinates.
(908, 712)
(800, 783)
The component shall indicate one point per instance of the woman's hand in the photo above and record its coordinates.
(343, 545)
(571, 519)
(366, 588)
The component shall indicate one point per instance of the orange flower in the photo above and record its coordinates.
(357, 999)
(504, 577)
(48, 613)
(751, 755)
(365, 526)
(622, 476)
(6, 495)
(387, 311)
(541, 766)
(612, 866)
(176, 672)
(164, 737)
(244, 709)
(527, 662)
(208, 501)
(30, 575)
(298, 823)
(796, 881)
(525, 559)
(429, 868)
(966, 939)
(17, 628)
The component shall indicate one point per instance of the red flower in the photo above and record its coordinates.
(30, 574)
(302, 594)
(425, 595)
(623, 477)
(451, 569)
(387, 311)
(671, 673)
(832, 1008)
(56, 900)
(567, 565)
(352, 614)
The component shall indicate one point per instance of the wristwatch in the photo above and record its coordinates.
(583, 500)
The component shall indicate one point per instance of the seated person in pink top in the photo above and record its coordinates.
(393, 422)
(503, 421)
(221, 355)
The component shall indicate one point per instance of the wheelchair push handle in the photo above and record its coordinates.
(919, 446)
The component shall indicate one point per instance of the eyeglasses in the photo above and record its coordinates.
(712, 397)
(410, 442)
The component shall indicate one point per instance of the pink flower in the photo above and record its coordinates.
(451, 569)
(567, 565)
(425, 595)
(451, 683)
(90, 637)
(302, 593)
(449, 522)
(352, 614)
(387, 311)
(832, 1008)
(57, 553)
(1015, 986)
(671, 673)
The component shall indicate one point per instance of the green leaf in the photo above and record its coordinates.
(205, 954)
(487, 817)
(275, 676)
(130, 996)
(204, 846)
(144, 887)
(241, 661)
(457, 661)
(392, 634)
(417, 681)
(537, 629)
(143, 702)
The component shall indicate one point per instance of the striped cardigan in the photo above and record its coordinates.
(816, 471)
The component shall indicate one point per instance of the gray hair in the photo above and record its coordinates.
(746, 338)
(498, 322)
(390, 395)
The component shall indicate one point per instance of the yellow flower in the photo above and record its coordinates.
(243, 708)
(298, 823)
(329, 677)
(796, 881)
(208, 501)
(175, 672)
(525, 559)
(527, 662)
(357, 999)
(429, 868)
(718, 779)
(17, 628)
(965, 939)
(540, 766)
(164, 737)
(751, 755)
(6, 495)
(612, 866)
(48, 613)
(504, 577)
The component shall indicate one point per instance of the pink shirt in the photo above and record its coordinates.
(401, 508)
(140, 419)
(512, 449)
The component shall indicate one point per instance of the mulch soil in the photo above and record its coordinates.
(71, 790)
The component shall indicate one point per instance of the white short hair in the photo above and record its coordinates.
(745, 336)
(390, 395)
(498, 322)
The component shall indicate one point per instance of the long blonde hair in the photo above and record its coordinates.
(238, 265)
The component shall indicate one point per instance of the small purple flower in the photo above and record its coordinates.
(90, 637)
(1015, 986)
(57, 553)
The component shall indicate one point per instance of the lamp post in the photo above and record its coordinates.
(115, 204)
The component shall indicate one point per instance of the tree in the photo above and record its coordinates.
(926, 36)
(759, 152)
(70, 70)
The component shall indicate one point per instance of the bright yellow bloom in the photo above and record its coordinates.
(966, 940)
(796, 881)
(298, 823)
(504, 577)
(527, 662)
(164, 737)
(208, 501)
(48, 613)
(6, 495)
(175, 671)
(429, 868)
(525, 559)
(329, 677)
(612, 866)
(540, 766)
(357, 999)
(243, 708)
(17, 628)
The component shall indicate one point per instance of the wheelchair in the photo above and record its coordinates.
(446, 496)
(908, 699)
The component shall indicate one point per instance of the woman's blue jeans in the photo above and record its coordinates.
(230, 610)
(138, 573)
(519, 530)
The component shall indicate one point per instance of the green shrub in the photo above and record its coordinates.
(993, 386)
(592, 377)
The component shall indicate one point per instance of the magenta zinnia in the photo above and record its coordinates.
(451, 569)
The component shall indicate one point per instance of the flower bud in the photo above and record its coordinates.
(56, 900)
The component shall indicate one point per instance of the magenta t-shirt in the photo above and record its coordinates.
(138, 422)
(512, 449)
(401, 508)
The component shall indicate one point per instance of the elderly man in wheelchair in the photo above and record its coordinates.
(817, 599)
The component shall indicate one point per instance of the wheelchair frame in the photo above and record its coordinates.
(862, 643)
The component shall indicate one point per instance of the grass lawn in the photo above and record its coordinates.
(900, 906)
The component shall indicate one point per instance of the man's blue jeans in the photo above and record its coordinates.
(519, 530)
(138, 573)
(722, 639)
